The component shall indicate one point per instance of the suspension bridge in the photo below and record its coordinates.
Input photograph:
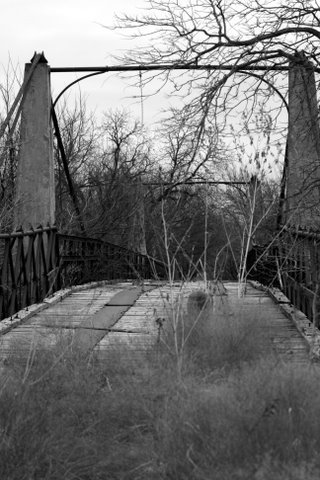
(104, 293)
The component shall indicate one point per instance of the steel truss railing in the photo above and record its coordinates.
(37, 263)
(299, 266)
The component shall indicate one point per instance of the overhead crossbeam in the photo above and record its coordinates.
(190, 66)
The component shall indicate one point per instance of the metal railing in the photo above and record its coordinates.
(37, 263)
(85, 259)
(299, 266)
(28, 268)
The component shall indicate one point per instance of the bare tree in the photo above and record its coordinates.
(80, 141)
(187, 153)
(126, 147)
(113, 194)
(9, 145)
(249, 41)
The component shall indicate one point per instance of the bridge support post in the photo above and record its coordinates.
(302, 196)
(35, 186)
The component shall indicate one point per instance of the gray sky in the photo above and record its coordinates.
(70, 34)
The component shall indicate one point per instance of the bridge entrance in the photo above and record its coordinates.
(37, 260)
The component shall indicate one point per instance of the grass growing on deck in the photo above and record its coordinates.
(234, 411)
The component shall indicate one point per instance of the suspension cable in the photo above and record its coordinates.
(73, 83)
(66, 170)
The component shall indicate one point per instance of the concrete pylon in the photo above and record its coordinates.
(302, 175)
(35, 186)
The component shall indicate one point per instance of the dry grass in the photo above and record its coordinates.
(218, 335)
(235, 412)
(255, 422)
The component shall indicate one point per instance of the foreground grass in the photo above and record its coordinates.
(234, 410)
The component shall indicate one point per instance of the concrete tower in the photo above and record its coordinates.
(35, 188)
(302, 175)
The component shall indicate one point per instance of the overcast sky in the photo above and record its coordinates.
(70, 33)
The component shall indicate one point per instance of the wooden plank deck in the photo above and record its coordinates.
(63, 318)
(137, 328)
(286, 339)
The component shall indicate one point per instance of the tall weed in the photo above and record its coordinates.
(217, 334)
(234, 411)
(263, 418)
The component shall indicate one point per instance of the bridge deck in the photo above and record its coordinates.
(105, 317)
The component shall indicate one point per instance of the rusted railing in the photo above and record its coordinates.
(28, 268)
(87, 259)
(36, 263)
(299, 265)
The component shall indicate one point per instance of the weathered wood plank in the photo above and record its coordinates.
(137, 329)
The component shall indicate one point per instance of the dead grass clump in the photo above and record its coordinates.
(228, 339)
(63, 416)
(216, 334)
(227, 414)
(255, 423)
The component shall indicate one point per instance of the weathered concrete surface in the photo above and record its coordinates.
(302, 205)
(95, 327)
(35, 189)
